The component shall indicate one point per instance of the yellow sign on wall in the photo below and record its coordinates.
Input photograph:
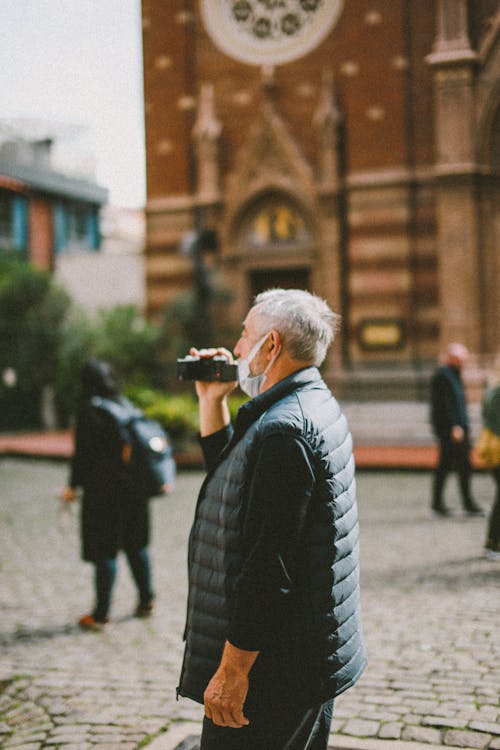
(378, 334)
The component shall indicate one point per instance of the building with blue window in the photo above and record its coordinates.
(44, 213)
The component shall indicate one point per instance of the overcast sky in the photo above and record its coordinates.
(79, 62)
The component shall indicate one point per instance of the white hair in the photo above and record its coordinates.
(304, 320)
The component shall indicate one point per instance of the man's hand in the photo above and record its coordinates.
(457, 434)
(213, 390)
(67, 495)
(212, 395)
(227, 690)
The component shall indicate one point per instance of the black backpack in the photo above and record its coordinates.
(146, 462)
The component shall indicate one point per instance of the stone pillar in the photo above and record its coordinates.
(206, 133)
(458, 245)
(327, 121)
(332, 278)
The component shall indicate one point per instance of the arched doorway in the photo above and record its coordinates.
(276, 244)
(291, 278)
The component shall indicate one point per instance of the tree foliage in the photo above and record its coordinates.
(180, 325)
(45, 340)
(33, 314)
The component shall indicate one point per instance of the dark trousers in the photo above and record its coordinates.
(273, 729)
(105, 574)
(493, 539)
(453, 457)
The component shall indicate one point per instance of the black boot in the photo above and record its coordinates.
(473, 509)
(439, 509)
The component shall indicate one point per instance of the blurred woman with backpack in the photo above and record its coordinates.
(113, 516)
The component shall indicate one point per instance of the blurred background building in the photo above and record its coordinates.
(44, 212)
(351, 148)
(55, 215)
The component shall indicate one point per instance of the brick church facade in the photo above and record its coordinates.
(363, 165)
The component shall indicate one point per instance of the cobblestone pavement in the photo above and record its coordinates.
(431, 611)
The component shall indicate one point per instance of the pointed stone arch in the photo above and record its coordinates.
(272, 171)
(273, 193)
(270, 161)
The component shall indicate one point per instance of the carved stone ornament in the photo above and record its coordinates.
(269, 32)
(269, 163)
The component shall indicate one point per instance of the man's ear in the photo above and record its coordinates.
(275, 342)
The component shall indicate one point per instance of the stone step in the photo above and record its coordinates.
(396, 422)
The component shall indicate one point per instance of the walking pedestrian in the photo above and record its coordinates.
(450, 423)
(489, 451)
(273, 629)
(112, 517)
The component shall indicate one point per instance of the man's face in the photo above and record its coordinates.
(249, 337)
(457, 356)
(456, 362)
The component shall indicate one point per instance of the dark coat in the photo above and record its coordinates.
(448, 405)
(316, 650)
(112, 517)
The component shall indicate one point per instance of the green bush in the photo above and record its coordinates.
(45, 340)
(120, 336)
(123, 337)
(33, 312)
(180, 327)
(33, 315)
(177, 413)
(77, 346)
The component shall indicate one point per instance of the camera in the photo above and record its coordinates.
(208, 369)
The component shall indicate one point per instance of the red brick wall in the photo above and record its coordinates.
(168, 50)
(383, 85)
(374, 38)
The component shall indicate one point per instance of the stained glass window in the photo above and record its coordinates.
(276, 225)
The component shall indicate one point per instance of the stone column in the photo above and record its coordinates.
(327, 119)
(206, 134)
(458, 245)
(330, 190)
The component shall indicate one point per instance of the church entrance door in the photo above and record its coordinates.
(287, 278)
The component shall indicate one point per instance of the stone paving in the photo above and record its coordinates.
(431, 605)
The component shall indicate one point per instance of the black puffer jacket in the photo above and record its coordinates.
(318, 649)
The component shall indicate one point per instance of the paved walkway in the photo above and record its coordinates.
(431, 610)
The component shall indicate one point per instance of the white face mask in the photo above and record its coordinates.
(252, 384)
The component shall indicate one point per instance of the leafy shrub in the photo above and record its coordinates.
(181, 327)
(178, 413)
(45, 341)
(33, 315)
(123, 337)
(120, 336)
(75, 349)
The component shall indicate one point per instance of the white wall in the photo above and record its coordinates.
(97, 279)
(115, 275)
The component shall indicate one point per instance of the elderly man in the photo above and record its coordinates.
(273, 628)
(451, 426)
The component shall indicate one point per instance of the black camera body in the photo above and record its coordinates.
(206, 368)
